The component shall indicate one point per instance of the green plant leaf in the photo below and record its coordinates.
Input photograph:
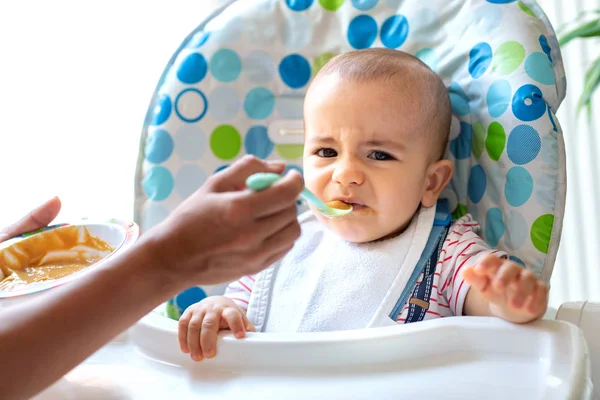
(587, 30)
(591, 82)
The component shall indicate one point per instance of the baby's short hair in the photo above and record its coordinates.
(387, 64)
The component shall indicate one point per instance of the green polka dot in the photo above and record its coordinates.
(331, 5)
(320, 61)
(541, 231)
(172, 311)
(526, 9)
(459, 212)
(290, 151)
(225, 142)
(495, 141)
(508, 57)
(478, 139)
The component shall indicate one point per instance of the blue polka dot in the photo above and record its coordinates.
(554, 127)
(259, 67)
(225, 65)
(191, 105)
(459, 100)
(257, 142)
(221, 168)
(190, 142)
(461, 146)
(188, 297)
(299, 5)
(518, 187)
(477, 184)
(364, 5)
(153, 215)
(362, 32)
(539, 68)
(545, 47)
(516, 232)
(518, 261)
(259, 103)
(480, 59)
(528, 103)
(198, 39)
(498, 98)
(394, 31)
(159, 146)
(494, 226)
(188, 180)
(429, 57)
(225, 103)
(501, 1)
(192, 69)
(523, 144)
(162, 110)
(295, 71)
(158, 183)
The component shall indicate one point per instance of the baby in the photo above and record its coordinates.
(376, 130)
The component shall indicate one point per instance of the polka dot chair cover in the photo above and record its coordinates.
(249, 65)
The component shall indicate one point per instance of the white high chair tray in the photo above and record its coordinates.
(450, 358)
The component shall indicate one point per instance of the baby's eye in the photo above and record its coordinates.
(327, 153)
(380, 156)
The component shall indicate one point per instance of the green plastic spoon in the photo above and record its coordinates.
(263, 180)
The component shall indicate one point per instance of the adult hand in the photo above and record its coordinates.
(36, 219)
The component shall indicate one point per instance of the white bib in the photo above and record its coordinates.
(326, 283)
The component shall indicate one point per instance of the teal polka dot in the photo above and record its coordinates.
(394, 31)
(192, 69)
(198, 40)
(539, 68)
(495, 183)
(162, 110)
(257, 142)
(191, 105)
(480, 59)
(299, 5)
(159, 146)
(477, 183)
(158, 183)
(188, 297)
(364, 5)
(188, 180)
(518, 260)
(498, 98)
(429, 57)
(461, 146)
(295, 71)
(459, 100)
(523, 144)
(494, 226)
(259, 103)
(518, 187)
(225, 65)
(221, 168)
(362, 32)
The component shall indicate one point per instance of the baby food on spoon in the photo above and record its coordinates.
(50, 255)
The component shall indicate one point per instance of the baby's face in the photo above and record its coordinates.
(363, 146)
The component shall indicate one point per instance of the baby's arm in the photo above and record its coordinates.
(504, 289)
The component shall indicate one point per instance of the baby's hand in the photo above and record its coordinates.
(513, 292)
(200, 323)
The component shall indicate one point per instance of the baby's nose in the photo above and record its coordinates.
(347, 173)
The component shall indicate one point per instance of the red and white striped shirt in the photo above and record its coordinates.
(462, 247)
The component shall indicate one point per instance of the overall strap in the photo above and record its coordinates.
(419, 303)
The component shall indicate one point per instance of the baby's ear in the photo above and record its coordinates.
(438, 175)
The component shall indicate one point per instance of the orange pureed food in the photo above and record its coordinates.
(340, 205)
(49, 255)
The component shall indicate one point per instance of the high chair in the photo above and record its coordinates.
(236, 86)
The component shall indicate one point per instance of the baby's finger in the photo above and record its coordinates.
(234, 321)
(539, 299)
(507, 273)
(208, 335)
(248, 324)
(477, 281)
(193, 335)
(523, 287)
(489, 265)
(182, 331)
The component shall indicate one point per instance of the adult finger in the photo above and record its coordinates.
(38, 218)
(279, 196)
